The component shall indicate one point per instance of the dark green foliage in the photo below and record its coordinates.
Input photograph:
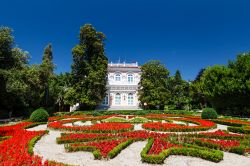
(153, 92)
(39, 115)
(227, 123)
(209, 113)
(179, 90)
(89, 69)
(198, 99)
(227, 88)
(22, 86)
(7, 60)
(58, 86)
(238, 150)
(242, 130)
(47, 68)
(12, 62)
(110, 112)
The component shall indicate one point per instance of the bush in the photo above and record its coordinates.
(238, 150)
(209, 113)
(39, 115)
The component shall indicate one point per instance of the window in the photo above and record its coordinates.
(130, 99)
(118, 77)
(118, 99)
(130, 78)
(105, 100)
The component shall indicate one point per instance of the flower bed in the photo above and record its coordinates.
(221, 134)
(102, 147)
(159, 145)
(96, 128)
(123, 120)
(243, 129)
(158, 126)
(106, 140)
(224, 144)
(15, 149)
(232, 122)
(205, 145)
(186, 150)
(79, 117)
(82, 137)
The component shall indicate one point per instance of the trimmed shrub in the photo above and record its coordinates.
(238, 150)
(33, 142)
(209, 113)
(119, 148)
(186, 150)
(96, 113)
(39, 115)
(220, 121)
(241, 130)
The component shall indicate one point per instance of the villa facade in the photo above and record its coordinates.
(122, 86)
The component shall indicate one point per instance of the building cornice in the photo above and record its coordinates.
(122, 87)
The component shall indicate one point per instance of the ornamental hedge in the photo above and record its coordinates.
(39, 115)
(186, 150)
(209, 113)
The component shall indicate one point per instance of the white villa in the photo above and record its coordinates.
(122, 86)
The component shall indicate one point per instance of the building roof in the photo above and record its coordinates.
(124, 66)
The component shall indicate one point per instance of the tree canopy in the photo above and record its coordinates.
(226, 88)
(153, 90)
(89, 69)
(25, 87)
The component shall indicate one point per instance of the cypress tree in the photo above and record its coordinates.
(89, 68)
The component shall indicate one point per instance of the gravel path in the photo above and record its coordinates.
(80, 123)
(47, 148)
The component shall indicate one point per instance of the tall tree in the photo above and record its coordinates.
(47, 68)
(58, 87)
(7, 59)
(12, 62)
(179, 89)
(198, 99)
(89, 69)
(227, 88)
(153, 90)
(199, 75)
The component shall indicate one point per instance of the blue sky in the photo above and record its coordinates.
(183, 34)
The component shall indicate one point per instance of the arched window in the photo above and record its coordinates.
(130, 78)
(105, 100)
(118, 99)
(130, 99)
(118, 77)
